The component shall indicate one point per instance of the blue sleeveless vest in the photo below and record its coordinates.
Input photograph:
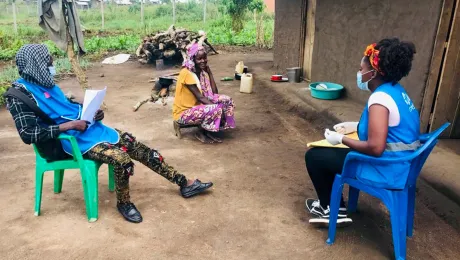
(402, 140)
(54, 103)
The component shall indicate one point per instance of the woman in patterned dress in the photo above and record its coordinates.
(197, 101)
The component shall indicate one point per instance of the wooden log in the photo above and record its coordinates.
(139, 49)
(169, 53)
(210, 46)
(140, 103)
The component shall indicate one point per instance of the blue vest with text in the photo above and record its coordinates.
(54, 103)
(402, 140)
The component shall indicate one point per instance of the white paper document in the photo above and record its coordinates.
(91, 104)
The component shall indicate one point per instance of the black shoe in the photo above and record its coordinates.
(129, 212)
(196, 188)
(322, 219)
(314, 207)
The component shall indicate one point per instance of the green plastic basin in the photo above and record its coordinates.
(333, 90)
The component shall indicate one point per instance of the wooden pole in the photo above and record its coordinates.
(79, 73)
(15, 22)
(204, 11)
(102, 14)
(309, 39)
(174, 11)
(142, 12)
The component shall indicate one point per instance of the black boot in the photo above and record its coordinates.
(196, 188)
(129, 212)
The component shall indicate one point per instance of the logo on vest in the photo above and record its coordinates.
(408, 102)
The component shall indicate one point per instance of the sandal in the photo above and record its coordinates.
(202, 138)
(212, 137)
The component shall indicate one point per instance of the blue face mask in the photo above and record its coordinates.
(52, 70)
(359, 78)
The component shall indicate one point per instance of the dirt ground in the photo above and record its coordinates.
(255, 210)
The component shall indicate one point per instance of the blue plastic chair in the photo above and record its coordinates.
(400, 203)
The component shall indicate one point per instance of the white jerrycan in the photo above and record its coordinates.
(246, 83)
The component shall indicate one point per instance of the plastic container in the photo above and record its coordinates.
(294, 74)
(333, 90)
(160, 65)
(226, 79)
(238, 76)
(246, 83)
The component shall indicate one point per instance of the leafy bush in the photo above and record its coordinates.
(136, 8)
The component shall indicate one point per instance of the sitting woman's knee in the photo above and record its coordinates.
(310, 154)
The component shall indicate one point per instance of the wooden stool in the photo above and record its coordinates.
(177, 128)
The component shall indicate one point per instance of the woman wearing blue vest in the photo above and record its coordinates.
(389, 127)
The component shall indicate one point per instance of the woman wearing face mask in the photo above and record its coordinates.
(389, 127)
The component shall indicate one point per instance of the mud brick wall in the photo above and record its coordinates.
(345, 27)
(287, 35)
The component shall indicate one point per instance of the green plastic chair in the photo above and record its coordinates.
(89, 176)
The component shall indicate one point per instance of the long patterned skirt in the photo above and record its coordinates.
(212, 118)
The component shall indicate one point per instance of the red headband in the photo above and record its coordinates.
(373, 55)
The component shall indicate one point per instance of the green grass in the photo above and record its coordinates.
(123, 30)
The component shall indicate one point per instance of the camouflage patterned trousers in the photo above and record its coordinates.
(121, 156)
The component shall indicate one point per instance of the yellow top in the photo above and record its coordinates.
(325, 143)
(184, 98)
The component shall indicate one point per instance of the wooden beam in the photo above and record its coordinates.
(309, 39)
(436, 63)
(453, 105)
(447, 95)
(455, 133)
(303, 31)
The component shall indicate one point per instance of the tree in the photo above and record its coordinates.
(237, 10)
(257, 7)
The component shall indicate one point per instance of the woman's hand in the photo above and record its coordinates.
(99, 115)
(377, 133)
(332, 137)
(79, 125)
(213, 82)
(346, 128)
(202, 99)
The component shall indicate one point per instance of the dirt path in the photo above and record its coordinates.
(255, 210)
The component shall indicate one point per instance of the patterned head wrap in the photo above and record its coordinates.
(32, 61)
(192, 51)
(373, 55)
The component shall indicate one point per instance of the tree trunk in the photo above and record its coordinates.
(15, 22)
(204, 11)
(102, 14)
(174, 10)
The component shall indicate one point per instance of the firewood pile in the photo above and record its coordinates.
(171, 45)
